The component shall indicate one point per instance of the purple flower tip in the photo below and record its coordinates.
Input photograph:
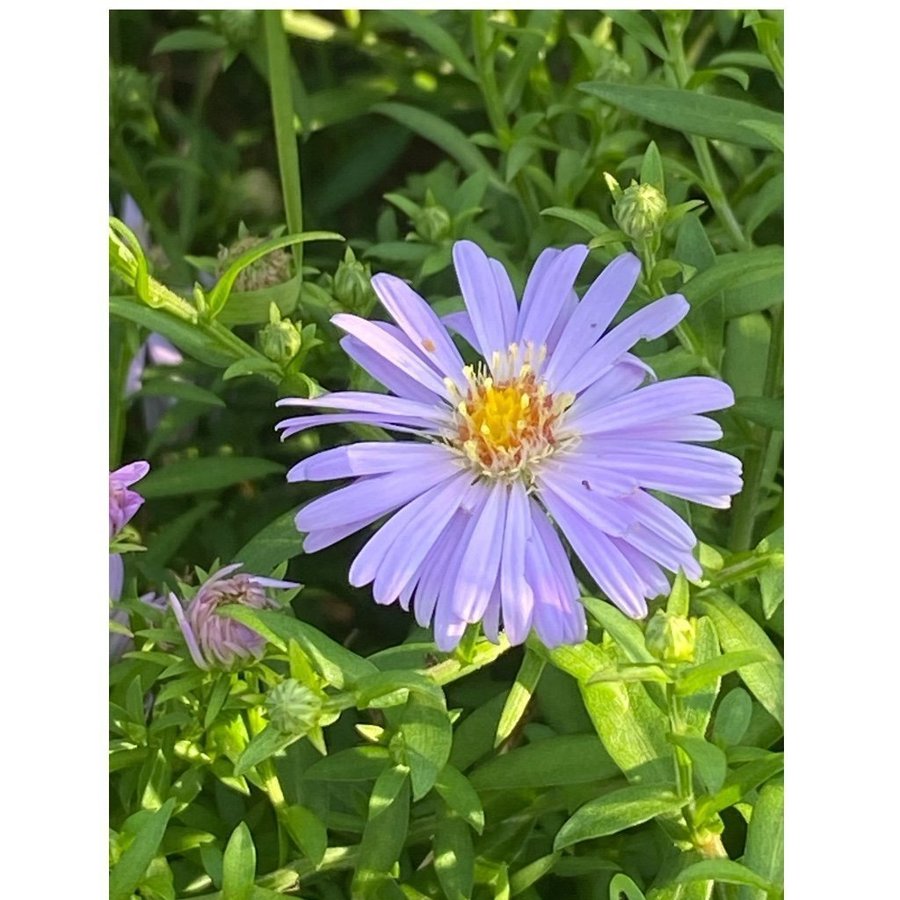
(123, 504)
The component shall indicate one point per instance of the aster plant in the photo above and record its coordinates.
(555, 424)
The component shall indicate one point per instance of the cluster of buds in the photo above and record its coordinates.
(215, 640)
(351, 285)
(292, 707)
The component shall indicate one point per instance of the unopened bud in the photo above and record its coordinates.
(292, 707)
(433, 224)
(352, 287)
(280, 340)
(670, 638)
(640, 211)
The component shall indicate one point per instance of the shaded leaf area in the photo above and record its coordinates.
(279, 160)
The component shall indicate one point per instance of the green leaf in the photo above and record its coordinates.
(188, 338)
(621, 884)
(252, 365)
(383, 684)
(262, 746)
(385, 832)
(277, 542)
(690, 112)
(354, 764)
(633, 729)
(586, 220)
(454, 858)
(528, 875)
(519, 695)
(737, 631)
(639, 27)
(709, 761)
(697, 707)
(426, 29)
(738, 784)
(767, 411)
(734, 270)
(771, 581)
(441, 133)
(697, 677)
(725, 871)
(460, 796)
(128, 871)
(181, 390)
(764, 850)
(553, 761)
(190, 39)
(732, 717)
(217, 699)
(307, 832)
(427, 735)
(617, 811)
(626, 632)
(239, 865)
(192, 476)
(773, 132)
(338, 665)
(166, 542)
(679, 602)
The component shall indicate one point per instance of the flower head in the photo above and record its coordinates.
(554, 432)
(218, 641)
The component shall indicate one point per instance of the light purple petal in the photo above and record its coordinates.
(648, 323)
(601, 511)
(128, 475)
(558, 618)
(392, 555)
(655, 582)
(420, 323)
(516, 595)
(163, 352)
(663, 400)
(382, 404)
(664, 552)
(678, 428)
(556, 553)
(325, 537)
(368, 458)
(405, 424)
(394, 379)
(187, 631)
(374, 496)
(506, 294)
(546, 292)
(435, 567)
(598, 307)
(480, 564)
(116, 576)
(569, 306)
(655, 515)
(582, 467)
(393, 350)
(478, 285)
(461, 323)
(623, 378)
(607, 566)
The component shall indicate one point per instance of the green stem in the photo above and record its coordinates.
(745, 506)
(279, 62)
(679, 73)
(484, 62)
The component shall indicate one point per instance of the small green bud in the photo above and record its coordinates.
(280, 340)
(670, 638)
(274, 268)
(238, 26)
(292, 707)
(132, 94)
(433, 224)
(640, 211)
(352, 284)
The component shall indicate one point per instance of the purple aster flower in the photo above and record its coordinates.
(217, 641)
(553, 433)
(123, 504)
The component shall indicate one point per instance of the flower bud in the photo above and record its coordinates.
(131, 98)
(280, 340)
(640, 211)
(670, 638)
(433, 224)
(218, 641)
(273, 268)
(292, 707)
(352, 284)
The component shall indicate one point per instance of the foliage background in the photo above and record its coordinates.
(519, 168)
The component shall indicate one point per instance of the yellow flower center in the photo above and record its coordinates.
(504, 426)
